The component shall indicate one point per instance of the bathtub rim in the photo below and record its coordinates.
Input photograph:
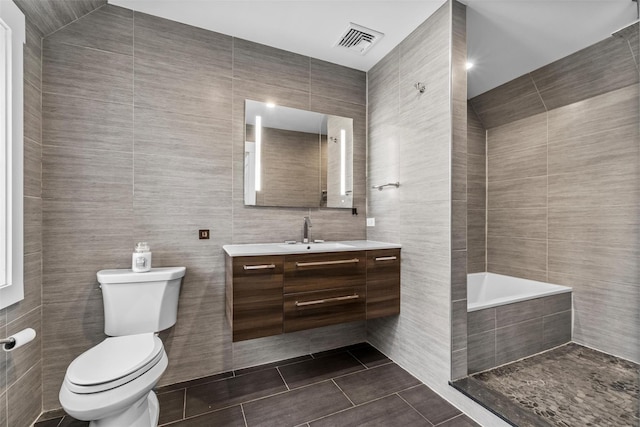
(556, 290)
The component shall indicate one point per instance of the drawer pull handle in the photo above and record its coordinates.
(322, 301)
(259, 267)
(340, 261)
(386, 258)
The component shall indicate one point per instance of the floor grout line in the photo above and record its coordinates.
(412, 407)
(244, 416)
(283, 380)
(343, 393)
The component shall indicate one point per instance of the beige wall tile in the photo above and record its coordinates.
(517, 252)
(161, 40)
(256, 62)
(109, 28)
(73, 122)
(596, 187)
(522, 223)
(529, 162)
(516, 271)
(32, 116)
(32, 293)
(594, 262)
(24, 403)
(512, 101)
(517, 136)
(86, 73)
(613, 226)
(597, 69)
(22, 359)
(32, 168)
(3, 410)
(593, 115)
(48, 18)
(337, 82)
(86, 175)
(603, 317)
(518, 193)
(32, 223)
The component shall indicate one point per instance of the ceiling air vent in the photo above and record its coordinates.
(358, 39)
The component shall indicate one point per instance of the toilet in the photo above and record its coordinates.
(111, 384)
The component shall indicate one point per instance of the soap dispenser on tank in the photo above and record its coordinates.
(141, 258)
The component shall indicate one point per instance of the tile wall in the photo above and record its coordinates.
(459, 202)
(476, 194)
(21, 370)
(417, 139)
(143, 139)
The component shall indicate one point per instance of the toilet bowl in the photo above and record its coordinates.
(103, 382)
(111, 384)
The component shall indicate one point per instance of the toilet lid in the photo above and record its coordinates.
(114, 358)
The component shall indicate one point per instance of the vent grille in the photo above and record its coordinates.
(359, 39)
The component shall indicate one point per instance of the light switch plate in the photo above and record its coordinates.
(371, 222)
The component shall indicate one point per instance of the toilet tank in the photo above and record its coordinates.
(136, 303)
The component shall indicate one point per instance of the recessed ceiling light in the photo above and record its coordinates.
(270, 105)
(469, 65)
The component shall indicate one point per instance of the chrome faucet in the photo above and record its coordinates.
(306, 233)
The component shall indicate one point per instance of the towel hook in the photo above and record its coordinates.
(420, 86)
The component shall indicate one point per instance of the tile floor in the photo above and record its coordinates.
(351, 386)
(570, 385)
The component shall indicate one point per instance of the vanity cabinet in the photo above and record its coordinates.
(273, 294)
(254, 296)
(324, 289)
(383, 283)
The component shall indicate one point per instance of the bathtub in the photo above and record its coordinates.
(509, 318)
(486, 290)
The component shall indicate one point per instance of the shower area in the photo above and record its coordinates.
(553, 196)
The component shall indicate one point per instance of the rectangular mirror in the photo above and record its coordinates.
(297, 158)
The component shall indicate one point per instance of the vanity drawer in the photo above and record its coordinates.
(322, 308)
(257, 265)
(257, 297)
(313, 272)
(383, 283)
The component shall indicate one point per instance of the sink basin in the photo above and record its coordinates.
(314, 247)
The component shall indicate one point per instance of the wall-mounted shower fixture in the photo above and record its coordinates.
(420, 86)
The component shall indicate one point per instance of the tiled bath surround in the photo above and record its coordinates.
(143, 139)
(510, 332)
(564, 187)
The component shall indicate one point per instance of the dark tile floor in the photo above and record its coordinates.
(568, 386)
(351, 386)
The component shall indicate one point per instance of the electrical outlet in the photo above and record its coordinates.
(203, 234)
(371, 222)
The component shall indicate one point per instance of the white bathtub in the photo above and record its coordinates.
(486, 290)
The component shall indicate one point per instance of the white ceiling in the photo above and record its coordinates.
(505, 38)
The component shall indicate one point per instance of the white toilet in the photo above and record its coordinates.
(111, 384)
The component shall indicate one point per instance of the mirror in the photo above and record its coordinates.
(297, 158)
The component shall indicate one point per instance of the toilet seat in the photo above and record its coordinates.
(113, 362)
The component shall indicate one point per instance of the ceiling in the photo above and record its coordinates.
(505, 38)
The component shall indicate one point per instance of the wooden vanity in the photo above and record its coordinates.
(273, 289)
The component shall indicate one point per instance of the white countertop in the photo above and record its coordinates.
(252, 249)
